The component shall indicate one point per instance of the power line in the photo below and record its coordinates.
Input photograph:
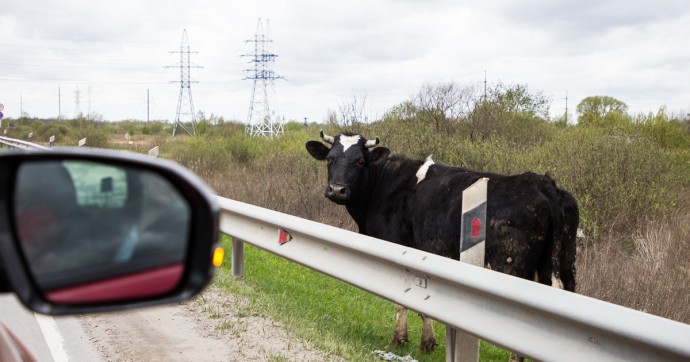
(89, 81)
(72, 65)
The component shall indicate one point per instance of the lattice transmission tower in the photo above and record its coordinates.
(185, 105)
(263, 119)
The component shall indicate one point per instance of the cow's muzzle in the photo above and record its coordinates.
(338, 193)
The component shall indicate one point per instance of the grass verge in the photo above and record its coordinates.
(337, 318)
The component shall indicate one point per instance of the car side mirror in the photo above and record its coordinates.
(90, 231)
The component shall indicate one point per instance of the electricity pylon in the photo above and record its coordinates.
(263, 119)
(185, 105)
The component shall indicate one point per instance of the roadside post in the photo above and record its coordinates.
(154, 152)
(237, 258)
(461, 346)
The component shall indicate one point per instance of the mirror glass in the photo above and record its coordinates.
(97, 232)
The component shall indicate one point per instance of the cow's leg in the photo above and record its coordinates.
(428, 337)
(556, 281)
(400, 336)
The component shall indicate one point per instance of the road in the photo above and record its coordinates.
(214, 327)
(48, 338)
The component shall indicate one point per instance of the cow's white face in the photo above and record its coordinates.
(347, 161)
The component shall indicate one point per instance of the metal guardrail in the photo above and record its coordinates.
(534, 320)
(21, 144)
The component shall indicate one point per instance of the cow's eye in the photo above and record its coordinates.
(360, 162)
(329, 161)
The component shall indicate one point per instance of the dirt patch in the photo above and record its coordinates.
(212, 327)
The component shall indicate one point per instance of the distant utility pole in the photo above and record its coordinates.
(77, 102)
(566, 107)
(88, 115)
(262, 120)
(21, 107)
(148, 105)
(185, 105)
(59, 103)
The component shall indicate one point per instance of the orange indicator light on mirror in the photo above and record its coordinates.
(218, 256)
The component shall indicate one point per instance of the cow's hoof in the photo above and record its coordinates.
(428, 345)
(514, 357)
(397, 341)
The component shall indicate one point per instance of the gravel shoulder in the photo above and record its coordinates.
(211, 327)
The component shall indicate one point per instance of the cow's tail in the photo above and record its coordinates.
(562, 250)
(571, 219)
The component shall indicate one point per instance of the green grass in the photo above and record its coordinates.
(335, 317)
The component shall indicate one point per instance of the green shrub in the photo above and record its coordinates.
(615, 178)
(95, 137)
(665, 132)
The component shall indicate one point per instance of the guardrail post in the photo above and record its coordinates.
(237, 258)
(461, 346)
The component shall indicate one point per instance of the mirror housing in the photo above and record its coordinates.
(117, 287)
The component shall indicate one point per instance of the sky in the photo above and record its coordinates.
(110, 54)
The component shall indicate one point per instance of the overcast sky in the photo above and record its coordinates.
(112, 52)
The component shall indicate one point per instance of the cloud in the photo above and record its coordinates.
(327, 52)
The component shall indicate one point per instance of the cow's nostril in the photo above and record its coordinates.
(337, 192)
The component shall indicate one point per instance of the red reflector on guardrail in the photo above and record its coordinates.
(283, 237)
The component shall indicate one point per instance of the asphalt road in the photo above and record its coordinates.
(213, 327)
(48, 338)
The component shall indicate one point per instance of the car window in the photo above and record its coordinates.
(98, 184)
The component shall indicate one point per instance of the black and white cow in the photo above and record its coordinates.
(531, 224)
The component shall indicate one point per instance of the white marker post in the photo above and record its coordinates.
(82, 142)
(461, 346)
(154, 152)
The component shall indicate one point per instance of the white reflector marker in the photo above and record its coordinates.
(154, 152)
(473, 224)
(461, 346)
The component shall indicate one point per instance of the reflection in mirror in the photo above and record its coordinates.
(96, 232)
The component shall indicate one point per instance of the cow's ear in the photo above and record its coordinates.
(379, 154)
(317, 150)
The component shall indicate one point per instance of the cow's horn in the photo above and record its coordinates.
(372, 143)
(327, 138)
